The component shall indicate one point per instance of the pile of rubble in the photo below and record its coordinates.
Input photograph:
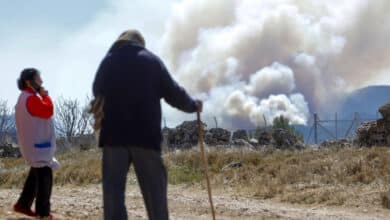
(265, 138)
(279, 138)
(285, 139)
(339, 143)
(385, 111)
(240, 134)
(183, 136)
(7, 150)
(217, 136)
(186, 136)
(375, 133)
(240, 138)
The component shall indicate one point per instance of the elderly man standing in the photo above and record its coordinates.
(132, 80)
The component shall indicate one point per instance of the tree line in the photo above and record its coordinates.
(71, 118)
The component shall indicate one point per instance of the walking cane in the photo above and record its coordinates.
(205, 164)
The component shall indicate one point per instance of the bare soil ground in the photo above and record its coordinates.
(187, 202)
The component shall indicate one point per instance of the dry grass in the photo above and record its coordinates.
(348, 176)
(12, 171)
(78, 168)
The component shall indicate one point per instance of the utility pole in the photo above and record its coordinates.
(356, 118)
(315, 128)
(216, 122)
(354, 121)
(336, 125)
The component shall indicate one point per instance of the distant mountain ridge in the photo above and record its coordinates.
(366, 102)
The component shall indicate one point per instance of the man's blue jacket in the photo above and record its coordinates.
(132, 81)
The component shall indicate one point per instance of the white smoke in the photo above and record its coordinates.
(253, 59)
(275, 79)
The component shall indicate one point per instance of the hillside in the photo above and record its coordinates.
(366, 102)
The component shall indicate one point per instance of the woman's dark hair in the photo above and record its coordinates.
(25, 75)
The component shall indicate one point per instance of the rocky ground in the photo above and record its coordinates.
(187, 202)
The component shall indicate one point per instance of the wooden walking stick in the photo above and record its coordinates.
(205, 164)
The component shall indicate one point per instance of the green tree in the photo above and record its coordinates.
(282, 122)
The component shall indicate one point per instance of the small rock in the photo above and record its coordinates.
(232, 165)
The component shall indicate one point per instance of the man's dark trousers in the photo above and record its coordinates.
(151, 175)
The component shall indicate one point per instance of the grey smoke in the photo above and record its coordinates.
(251, 59)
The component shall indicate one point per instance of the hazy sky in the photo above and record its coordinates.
(207, 44)
(66, 40)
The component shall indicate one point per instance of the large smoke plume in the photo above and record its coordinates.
(252, 59)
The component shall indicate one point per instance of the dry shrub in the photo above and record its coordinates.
(13, 172)
(269, 188)
(326, 195)
(79, 167)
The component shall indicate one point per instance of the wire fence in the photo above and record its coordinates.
(336, 128)
(318, 129)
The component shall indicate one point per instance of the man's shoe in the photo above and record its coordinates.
(18, 208)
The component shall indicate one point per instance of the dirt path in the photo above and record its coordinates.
(185, 202)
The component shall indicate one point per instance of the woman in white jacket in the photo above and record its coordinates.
(36, 139)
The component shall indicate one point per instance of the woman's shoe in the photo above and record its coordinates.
(26, 211)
